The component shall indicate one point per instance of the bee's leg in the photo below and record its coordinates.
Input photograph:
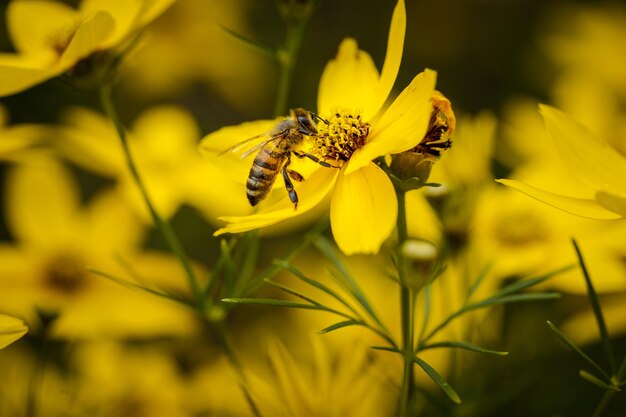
(314, 159)
(295, 175)
(293, 196)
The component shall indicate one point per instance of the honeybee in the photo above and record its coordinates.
(274, 155)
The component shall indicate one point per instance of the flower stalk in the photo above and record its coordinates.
(407, 301)
(296, 17)
(106, 99)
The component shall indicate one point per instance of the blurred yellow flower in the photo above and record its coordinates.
(163, 141)
(11, 329)
(351, 100)
(160, 67)
(600, 170)
(50, 37)
(322, 382)
(56, 239)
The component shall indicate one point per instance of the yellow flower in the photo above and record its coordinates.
(50, 37)
(360, 128)
(313, 385)
(56, 239)
(163, 141)
(599, 169)
(11, 329)
(161, 68)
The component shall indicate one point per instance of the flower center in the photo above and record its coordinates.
(339, 136)
(65, 274)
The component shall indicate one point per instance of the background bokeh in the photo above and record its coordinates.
(495, 61)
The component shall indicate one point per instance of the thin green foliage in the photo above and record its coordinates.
(255, 45)
(597, 311)
(611, 380)
(438, 379)
(463, 345)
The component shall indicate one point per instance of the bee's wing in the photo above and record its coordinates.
(242, 145)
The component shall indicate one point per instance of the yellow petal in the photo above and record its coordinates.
(166, 132)
(363, 210)
(578, 206)
(42, 201)
(612, 202)
(17, 78)
(590, 159)
(34, 25)
(310, 192)
(123, 12)
(214, 145)
(88, 38)
(151, 9)
(11, 329)
(395, 45)
(349, 81)
(403, 125)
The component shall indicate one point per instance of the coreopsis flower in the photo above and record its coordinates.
(355, 127)
(11, 329)
(51, 37)
(599, 169)
(57, 239)
(163, 141)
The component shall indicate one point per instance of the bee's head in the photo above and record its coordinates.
(306, 125)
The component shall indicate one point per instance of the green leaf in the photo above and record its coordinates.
(576, 349)
(490, 302)
(430, 371)
(531, 282)
(344, 277)
(596, 381)
(271, 302)
(479, 280)
(273, 269)
(464, 345)
(340, 325)
(386, 348)
(135, 286)
(597, 311)
(257, 46)
(295, 271)
(516, 298)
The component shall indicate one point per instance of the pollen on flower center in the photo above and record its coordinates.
(340, 135)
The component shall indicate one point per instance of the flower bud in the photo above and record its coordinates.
(423, 259)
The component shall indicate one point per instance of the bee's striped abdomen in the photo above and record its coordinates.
(263, 173)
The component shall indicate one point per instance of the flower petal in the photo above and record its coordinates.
(395, 45)
(349, 81)
(215, 147)
(403, 125)
(123, 12)
(42, 202)
(11, 329)
(311, 192)
(578, 206)
(612, 202)
(17, 77)
(34, 24)
(89, 37)
(590, 159)
(363, 210)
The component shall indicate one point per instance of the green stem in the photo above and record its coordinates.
(287, 60)
(606, 399)
(106, 98)
(406, 312)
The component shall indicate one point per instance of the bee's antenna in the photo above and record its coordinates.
(318, 117)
